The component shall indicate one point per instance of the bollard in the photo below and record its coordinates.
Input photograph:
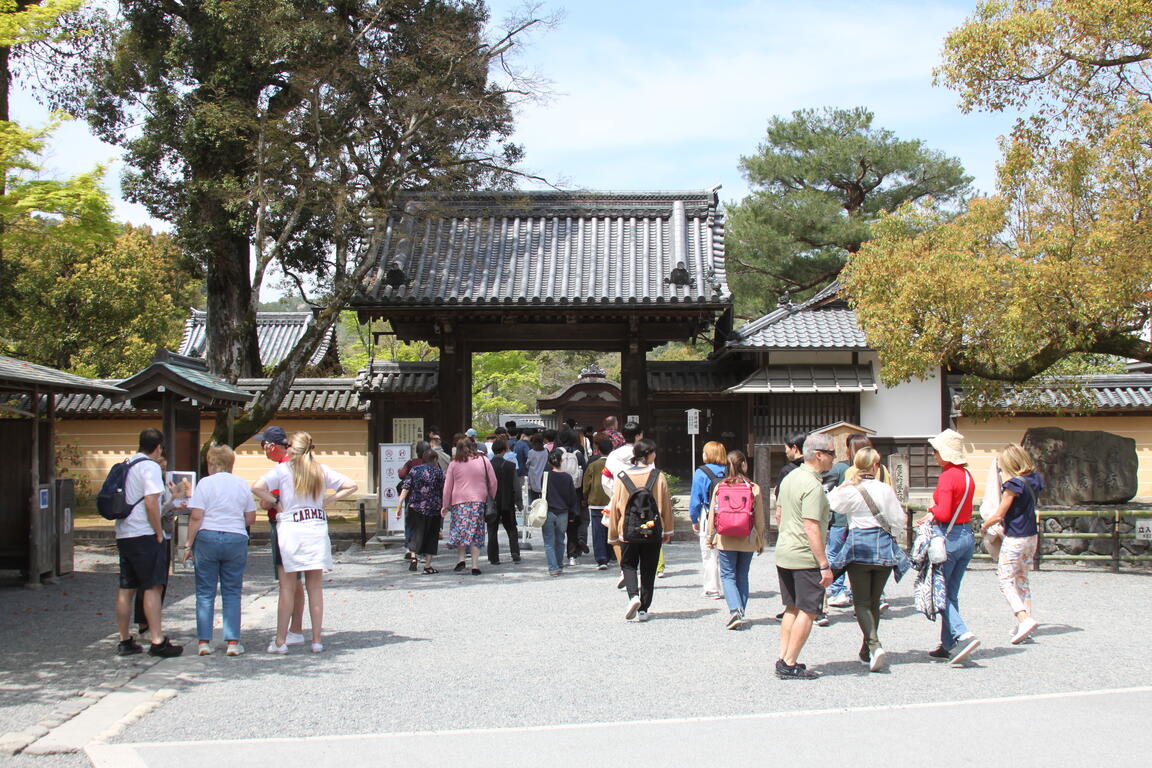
(1116, 543)
(363, 524)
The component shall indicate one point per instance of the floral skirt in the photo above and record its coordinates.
(467, 525)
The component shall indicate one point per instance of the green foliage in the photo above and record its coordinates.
(31, 21)
(99, 310)
(356, 350)
(1021, 286)
(820, 181)
(497, 377)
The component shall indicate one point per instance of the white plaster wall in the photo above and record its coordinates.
(911, 409)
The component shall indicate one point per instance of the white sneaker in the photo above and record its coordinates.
(620, 582)
(970, 643)
(633, 606)
(572, 561)
(1023, 629)
(884, 606)
(235, 649)
(317, 647)
(840, 601)
(879, 660)
(204, 649)
(642, 616)
(294, 638)
(278, 649)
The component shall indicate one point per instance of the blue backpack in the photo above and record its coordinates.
(110, 502)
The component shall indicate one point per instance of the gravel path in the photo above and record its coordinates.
(512, 647)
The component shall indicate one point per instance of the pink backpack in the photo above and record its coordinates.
(735, 510)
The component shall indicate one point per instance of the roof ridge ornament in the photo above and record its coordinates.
(785, 302)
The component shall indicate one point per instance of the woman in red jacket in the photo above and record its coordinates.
(951, 517)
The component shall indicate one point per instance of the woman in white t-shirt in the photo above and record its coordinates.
(302, 531)
(222, 508)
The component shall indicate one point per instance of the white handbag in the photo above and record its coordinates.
(938, 545)
(538, 509)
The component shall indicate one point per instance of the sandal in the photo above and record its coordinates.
(475, 571)
(430, 569)
(459, 566)
(411, 565)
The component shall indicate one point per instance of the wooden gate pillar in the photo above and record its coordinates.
(634, 377)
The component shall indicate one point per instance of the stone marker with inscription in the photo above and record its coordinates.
(1083, 466)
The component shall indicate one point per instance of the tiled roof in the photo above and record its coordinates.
(808, 378)
(306, 397)
(19, 375)
(387, 377)
(276, 334)
(314, 396)
(819, 323)
(690, 377)
(566, 248)
(1111, 392)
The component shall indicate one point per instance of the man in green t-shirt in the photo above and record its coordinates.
(801, 563)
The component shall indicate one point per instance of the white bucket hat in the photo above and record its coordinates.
(950, 445)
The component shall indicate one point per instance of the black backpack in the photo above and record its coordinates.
(110, 502)
(713, 479)
(641, 514)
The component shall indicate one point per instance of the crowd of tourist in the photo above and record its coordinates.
(838, 528)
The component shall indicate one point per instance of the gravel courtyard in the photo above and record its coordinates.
(513, 648)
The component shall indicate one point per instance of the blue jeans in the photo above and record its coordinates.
(553, 533)
(599, 536)
(734, 578)
(836, 537)
(961, 544)
(220, 558)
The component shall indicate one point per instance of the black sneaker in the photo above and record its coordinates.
(822, 620)
(735, 620)
(128, 647)
(940, 652)
(165, 649)
(794, 672)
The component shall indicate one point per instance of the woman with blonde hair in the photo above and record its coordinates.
(737, 533)
(1017, 513)
(870, 552)
(704, 483)
(302, 531)
(222, 509)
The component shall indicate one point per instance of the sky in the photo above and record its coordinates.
(669, 95)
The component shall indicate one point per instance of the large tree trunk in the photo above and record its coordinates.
(233, 351)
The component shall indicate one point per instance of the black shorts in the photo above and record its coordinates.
(800, 588)
(143, 562)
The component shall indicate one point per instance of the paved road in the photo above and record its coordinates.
(411, 654)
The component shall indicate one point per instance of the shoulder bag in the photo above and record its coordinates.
(874, 510)
(938, 545)
(538, 509)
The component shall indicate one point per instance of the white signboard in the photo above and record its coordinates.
(393, 456)
(407, 430)
(1144, 529)
(693, 421)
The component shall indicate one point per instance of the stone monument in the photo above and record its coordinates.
(1083, 466)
